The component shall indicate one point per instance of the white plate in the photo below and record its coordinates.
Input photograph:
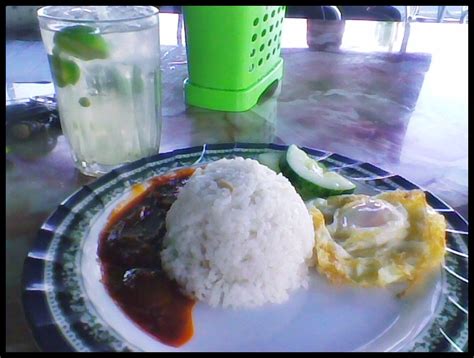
(324, 317)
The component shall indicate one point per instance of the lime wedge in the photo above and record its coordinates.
(137, 80)
(82, 42)
(118, 82)
(65, 72)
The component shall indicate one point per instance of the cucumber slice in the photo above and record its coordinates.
(310, 179)
(270, 160)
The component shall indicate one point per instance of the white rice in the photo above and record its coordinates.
(238, 235)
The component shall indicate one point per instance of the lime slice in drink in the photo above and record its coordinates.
(82, 42)
(65, 72)
(137, 80)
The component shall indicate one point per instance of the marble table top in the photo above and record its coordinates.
(392, 94)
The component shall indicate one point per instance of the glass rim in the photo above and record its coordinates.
(41, 14)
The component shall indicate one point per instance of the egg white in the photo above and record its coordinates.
(390, 238)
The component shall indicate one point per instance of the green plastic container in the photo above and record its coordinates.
(233, 54)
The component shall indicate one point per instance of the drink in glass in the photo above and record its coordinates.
(105, 64)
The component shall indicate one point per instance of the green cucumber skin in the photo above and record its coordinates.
(304, 187)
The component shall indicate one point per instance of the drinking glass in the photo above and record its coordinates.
(105, 64)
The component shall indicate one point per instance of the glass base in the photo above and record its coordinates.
(94, 169)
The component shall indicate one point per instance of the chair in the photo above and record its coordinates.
(375, 13)
(314, 12)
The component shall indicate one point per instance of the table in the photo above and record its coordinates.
(392, 94)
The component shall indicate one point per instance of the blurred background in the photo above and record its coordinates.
(21, 21)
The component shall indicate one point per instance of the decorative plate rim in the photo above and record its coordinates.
(50, 337)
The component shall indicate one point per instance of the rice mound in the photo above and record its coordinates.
(238, 235)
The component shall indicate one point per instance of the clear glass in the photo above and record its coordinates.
(105, 63)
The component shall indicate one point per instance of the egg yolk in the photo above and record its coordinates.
(369, 223)
(367, 214)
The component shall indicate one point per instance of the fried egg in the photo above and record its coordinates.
(394, 237)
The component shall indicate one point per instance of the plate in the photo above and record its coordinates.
(68, 308)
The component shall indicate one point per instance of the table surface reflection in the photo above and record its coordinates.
(392, 94)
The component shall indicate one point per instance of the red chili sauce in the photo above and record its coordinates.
(129, 251)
